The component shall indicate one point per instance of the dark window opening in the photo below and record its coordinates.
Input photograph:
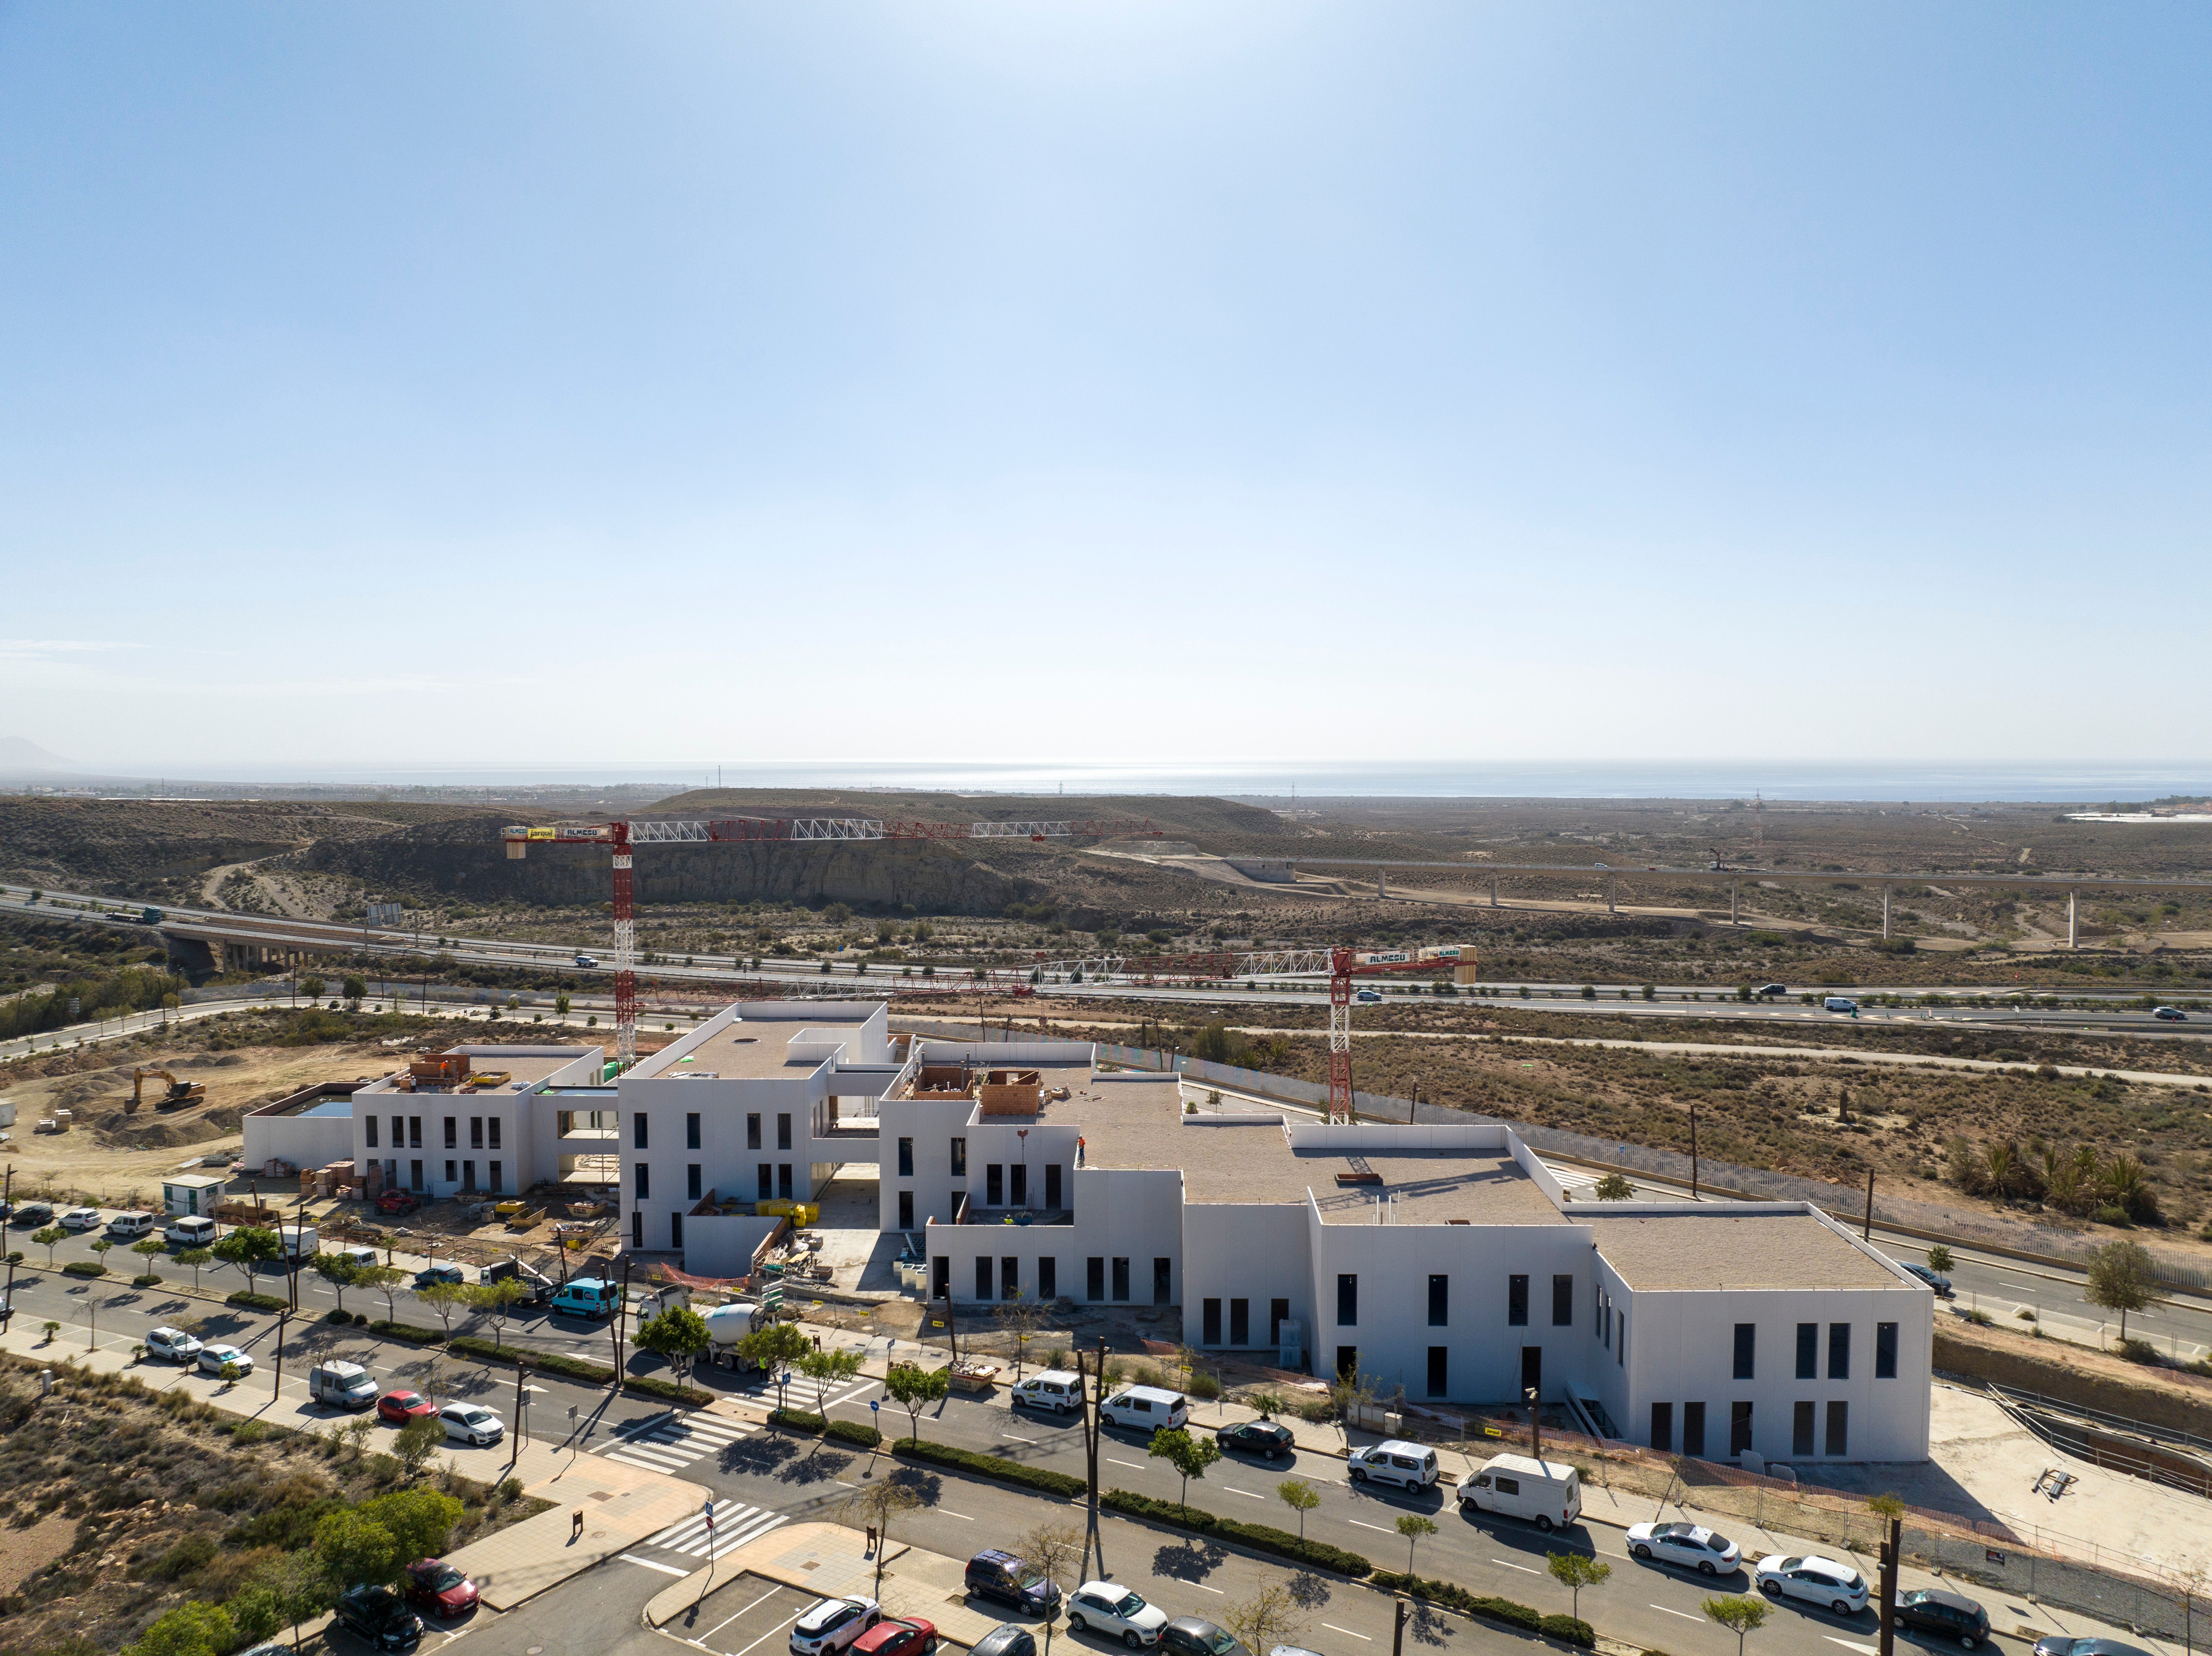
(637, 1132)
(982, 1275)
(753, 1132)
(1693, 1430)
(690, 1130)
(1052, 1183)
(1662, 1427)
(783, 1133)
(1347, 1301)
(1240, 1323)
(959, 1158)
(1885, 1350)
(1094, 1278)
(1563, 1301)
(1739, 1428)
(1439, 1370)
(1210, 1322)
(1747, 1350)
(1439, 1301)
(1839, 1429)
(1808, 1352)
(1048, 1277)
(1516, 1301)
(906, 1158)
(1801, 1430)
(1162, 1281)
(1839, 1350)
(694, 1188)
(1121, 1280)
(906, 1210)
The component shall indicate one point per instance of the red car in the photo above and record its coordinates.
(912, 1637)
(397, 1201)
(400, 1408)
(436, 1588)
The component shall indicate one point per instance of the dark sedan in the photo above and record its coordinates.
(2058, 1647)
(1256, 1437)
(379, 1618)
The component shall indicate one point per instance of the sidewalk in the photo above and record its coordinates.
(622, 1504)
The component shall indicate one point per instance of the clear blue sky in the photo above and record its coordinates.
(1179, 381)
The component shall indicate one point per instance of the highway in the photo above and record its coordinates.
(1996, 1006)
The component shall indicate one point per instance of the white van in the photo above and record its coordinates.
(1841, 1004)
(1546, 1493)
(347, 1385)
(1056, 1389)
(1145, 1409)
(1410, 1465)
(190, 1230)
(131, 1225)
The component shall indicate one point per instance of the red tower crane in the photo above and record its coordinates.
(620, 836)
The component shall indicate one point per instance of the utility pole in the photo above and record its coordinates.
(622, 1314)
(1536, 1423)
(1398, 1625)
(1889, 1550)
(1093, 1396)
(277, 1388)
(1693, 1152)
(1866, 1231)
(521, 1404)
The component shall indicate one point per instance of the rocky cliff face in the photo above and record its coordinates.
(467, 860)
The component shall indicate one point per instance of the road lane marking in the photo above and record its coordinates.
(1853, 1644)
(1247, 1494)
(1378, 1528)
(1684, 1614)
(1510, 1565)
(665, 1569)
(962, 1517)
(1137, 1464)
(1018, 1437)
(772, 1632)
(1216, 1592)
(1347, 1633)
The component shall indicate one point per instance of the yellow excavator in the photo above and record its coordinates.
(180, 1093)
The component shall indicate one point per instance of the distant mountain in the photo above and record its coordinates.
(21, 756)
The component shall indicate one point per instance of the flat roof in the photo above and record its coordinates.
(1250, 1158)
(1718, 1248)
(747, 1050)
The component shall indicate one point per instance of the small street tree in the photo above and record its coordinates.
(826, 1369)
(48, 1238)
(1301, 1497)
(1190, 1456)
(1939, 1259)
(248, 1247)
(1613, 1187)
(1270, 1617)
(149, 1248)
(1576, 1570)
(776, 1349)
(381, 1279)
(678, 1336)
(914, 1388)
(1739, 1612)
(199, 1258)
(1057, 1550)
(338, 1272)
(2121, 1279)
(445, 1299)
(874, 1504)
(1413, 1527)
(497, 1299)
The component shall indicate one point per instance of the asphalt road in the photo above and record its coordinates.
(768, 1475)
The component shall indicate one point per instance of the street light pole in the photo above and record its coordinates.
(1535, 1423)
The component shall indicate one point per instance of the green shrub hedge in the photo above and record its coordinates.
(851, 1431)
(246, 1299)
(407, 1331)
(795, 1420)
(151, 1279)
(575, 1368)
(337, 1317)
(1260, 1537)
(90, 1268)
(1011, 1472)
(1452, 1595)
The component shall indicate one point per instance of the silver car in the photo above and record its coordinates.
(1815, 1580)
(1691, 1545)
(1110, 1609)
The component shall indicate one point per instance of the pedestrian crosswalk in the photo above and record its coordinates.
(734, 1525)
(759, 1388)
(674, 1441)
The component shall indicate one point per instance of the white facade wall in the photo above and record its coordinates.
(788, 1109)
(313, 1141)
(1258, 1252)
(1120, 1214)
(495, 1134)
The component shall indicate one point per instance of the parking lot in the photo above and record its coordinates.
(749, 1616)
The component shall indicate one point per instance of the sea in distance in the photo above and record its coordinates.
(1276, 782)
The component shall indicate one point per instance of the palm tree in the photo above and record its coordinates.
(2002, 1160)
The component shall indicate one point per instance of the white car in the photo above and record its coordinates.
(472, 1423)
(1409, 1465)
(173, 1343)
(833, 1624)
(214, 1359)
(1109, 1608)
(1815, 1580)
(77, 1218)
(1691, 1545)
